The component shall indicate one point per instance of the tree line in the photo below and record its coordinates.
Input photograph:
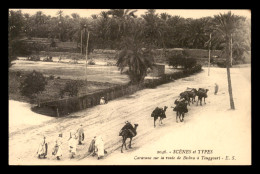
(109, 29)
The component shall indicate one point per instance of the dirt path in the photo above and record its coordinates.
(107, 120)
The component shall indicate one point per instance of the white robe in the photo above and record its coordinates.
(41, 148)
(80, 132)
(73, 145)
(58, 143)
(99, 143)
(102, 101)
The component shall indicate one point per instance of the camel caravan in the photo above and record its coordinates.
(185, 98)
(128, 131)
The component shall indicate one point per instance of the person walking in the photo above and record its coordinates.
(91, 148)
(42, 149)
(57, 151)
(99, 146)
(216, 89)
(80, 132)
(73, 145)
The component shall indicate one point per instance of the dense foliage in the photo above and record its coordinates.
(109, 28)
(180, 60)
(71, 88)
(137, 58)
(33, 84)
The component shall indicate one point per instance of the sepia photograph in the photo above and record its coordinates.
(129, 87)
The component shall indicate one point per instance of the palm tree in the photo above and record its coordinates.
(123, 18)
(75, 15)
(39, 17)
(136, 58)
(104, 14)
(226, 25)
(60, 24)
(94, 16)
(15, 30)
(165, 16)
(122, 13)
(179, 29)
(196, 32)
(238, 50)
(104, 25)
(60, 14)
(241, 40)
(101, 29)
(174, 31)
(154, 28)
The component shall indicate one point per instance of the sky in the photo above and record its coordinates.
(185, 13)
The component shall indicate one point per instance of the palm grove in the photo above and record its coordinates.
(136, 37)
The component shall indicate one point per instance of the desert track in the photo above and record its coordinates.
(107, 120)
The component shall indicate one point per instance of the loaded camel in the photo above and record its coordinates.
(159, 112)
(189, 95)
(192, 93)
(202, 93)
(180, 108)
(185, 96)
(128, 131)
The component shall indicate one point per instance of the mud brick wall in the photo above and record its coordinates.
(158, 70)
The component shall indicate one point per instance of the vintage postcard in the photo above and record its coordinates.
(129, 87)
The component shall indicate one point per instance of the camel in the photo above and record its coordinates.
(184, 95)
(181, 109)
(189, 95)
(128, 133)
(202, 93)
(192, 93)
(159, 112)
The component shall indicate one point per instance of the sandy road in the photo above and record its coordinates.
(107, 120)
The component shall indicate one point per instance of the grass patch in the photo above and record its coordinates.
(52, 88)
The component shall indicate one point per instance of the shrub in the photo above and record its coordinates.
(237, 62)
(111, 64)
(71, 87)
(20, 48)
(51, 77)
(175, 60)
(33, 84)
(181, 60)
(91, 62)
(48, 59)
(213, 61)
(73, 62)
(189, 63)
(221, 64)
(35, 58)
